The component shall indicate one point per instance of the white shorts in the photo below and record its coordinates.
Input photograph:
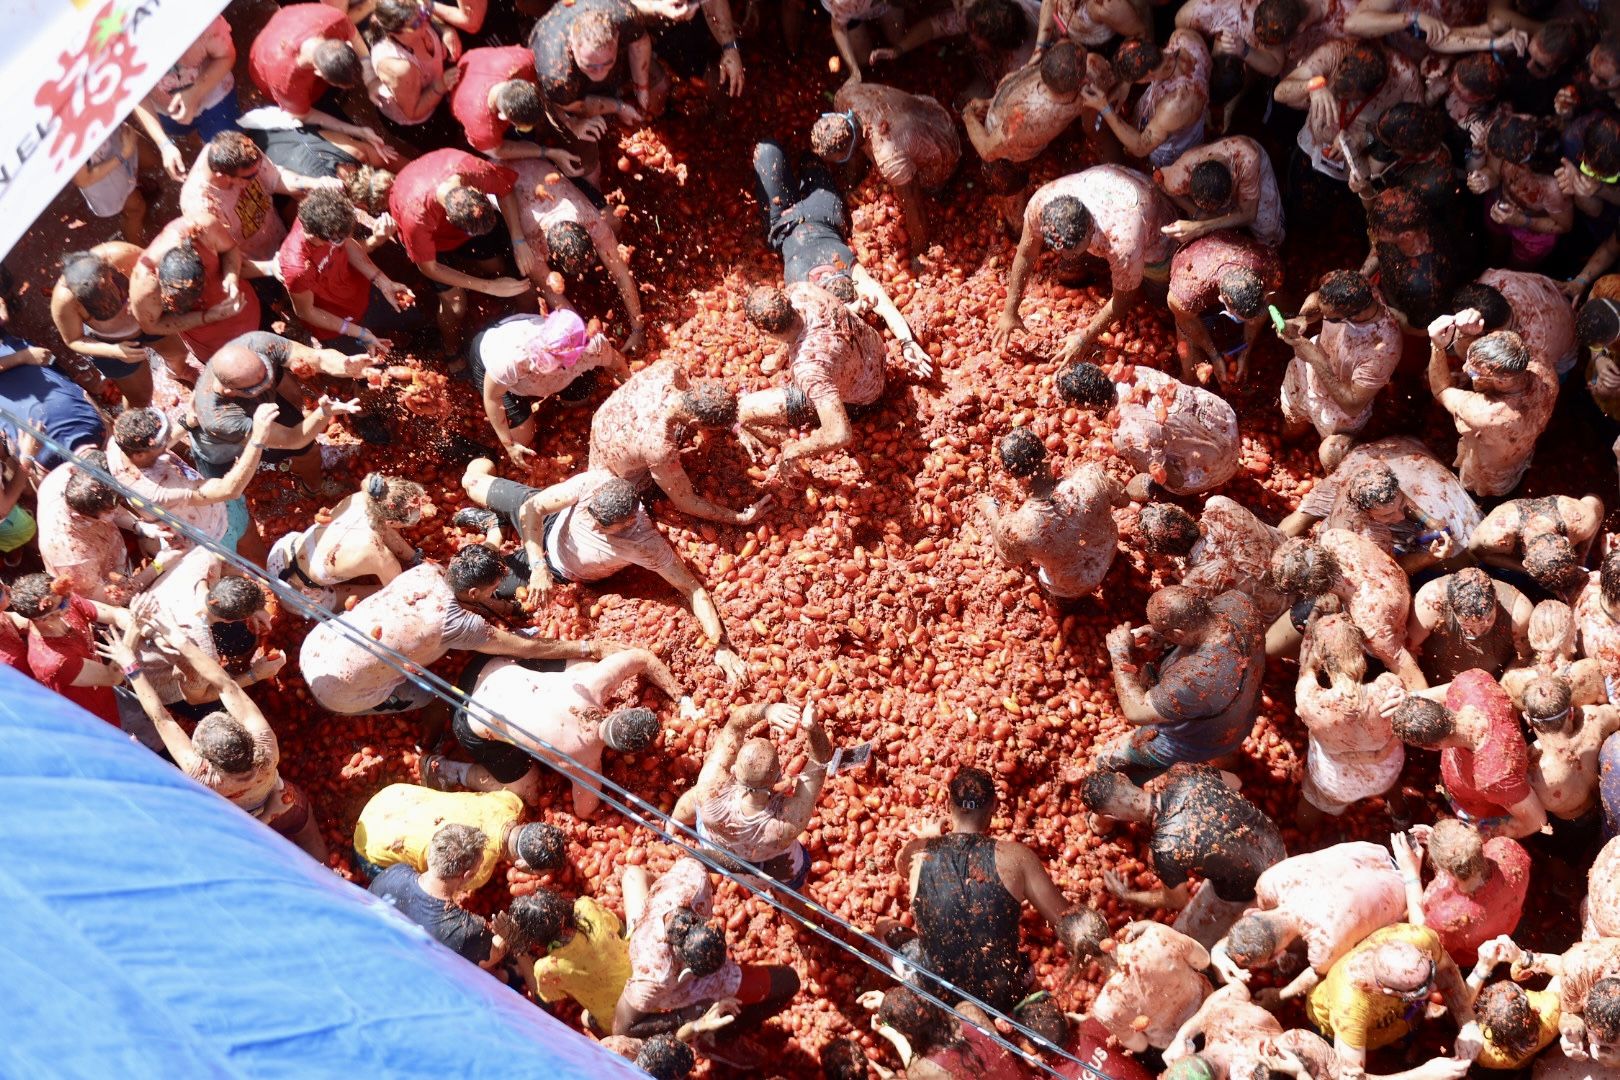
(1332, 784)
(280, 564)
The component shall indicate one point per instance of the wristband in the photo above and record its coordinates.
(732, 45)
(522, 241)
(133, 670)
(1582, 279)
(1106, 110)
(344, 329)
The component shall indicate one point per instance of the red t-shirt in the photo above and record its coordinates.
(315, 266)
(1486, 783)
(423, 227)
(56, 662)
(273, 59)
(481, 71)
(1466, 922)
(13, 649)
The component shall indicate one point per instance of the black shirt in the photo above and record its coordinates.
(458, 930)
(1204, 827)
(560, 81)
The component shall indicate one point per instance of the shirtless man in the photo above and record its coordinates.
(1478, 888)
(1219, 283)
(1564, 755)
(637, 433)
(910, 140)
(564, 229)
(358, 538)
(423, 614)
(1502, 416)
(1588, 983)
(1600, 911)
(1031, 107)
(1372, 505)
(91, 310)
(1169, 116)
(1226, 184)
(1066, 528)
(834, 362)
(1108, 211)
(1200, 825)
(182, 286)
(1183, 438)
(1484, 762)
(1529, 305)
(1335, 377)
(562, 705)
(1369, 584)
(1232, 1029)
(1552, 637)
(584, 529)
(1430, 492)
(1352, 753)
(967, 891)
(1153, 972)
(1467, 620)
(1194, 701)
(1330, 899)
(1547, 538)
(734, 805)
(1225, 547)
(1597, 614)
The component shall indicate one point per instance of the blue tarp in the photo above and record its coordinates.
(154, 930)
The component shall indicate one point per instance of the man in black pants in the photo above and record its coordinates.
(806, 221)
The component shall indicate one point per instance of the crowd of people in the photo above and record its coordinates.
(393, 201)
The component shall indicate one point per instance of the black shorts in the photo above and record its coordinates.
(505, 762)
(506, 498)
(518, 409)
(495, 244)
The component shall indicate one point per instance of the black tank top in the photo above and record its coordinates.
(1448, 652)
(968, 921)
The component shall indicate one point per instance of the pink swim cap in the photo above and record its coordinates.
(557, 342)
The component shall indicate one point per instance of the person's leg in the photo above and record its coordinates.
(137, 386)
(177, 358)
(763, 992)
(475, 481)
(306, 466)
(452, 314)
(773, 186)
(132, 218)
(635, 887)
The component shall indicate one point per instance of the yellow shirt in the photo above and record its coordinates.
(592, 968)
(1368, 1020)
(400, 820)
(1544, 1003)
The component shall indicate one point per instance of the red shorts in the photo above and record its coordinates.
(294, 812)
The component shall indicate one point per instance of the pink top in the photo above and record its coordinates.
(1361, 354)
(908, 137)
(1466, 921)
(426, 54)
(1190, 431)
(1337, 896)
(1197, 269)
(1485, 783)
(170, 473)
(82, 549)
(535, 355)
(184, 72)
(1235, 553)
(1127, 212)
(1025, 117)
(654, 967)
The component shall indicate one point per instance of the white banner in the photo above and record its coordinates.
(72, 71)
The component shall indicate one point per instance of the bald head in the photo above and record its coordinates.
(1403, 967)
(238, 367)
(1176, 609)
(756, 765)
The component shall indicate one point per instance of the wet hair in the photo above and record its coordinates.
(541, 846)
(1471, 593)
(475, 566)
(1513, 137)
(232, 153)
(1552, 625)
(1421, 722)
(570, 247)
(455, 851)
(222, 741)
(710, 404)
(972, 791)
(1602, 1010)
(767, 307)
(88, 495)
(1598, 323)
(85, 274)
(1434, 182)
(1411, 130)
(613, 502)
(1001, 23)
(1045, 1019)
(1545, 699)
(33, 595)
(1167, 529)
(234, 598)
(1338, 646)
(1135, 57)
(1084, 930)
(1506, 1018)
(832, 137)
(1416, 285)
(392, 497)
(842, 1059)
(519, 101)
(1244, 292)
(1374, 484)
(180, 274)
(1304, 567)
(1344, 292)
(1177, 607)
(235, 643)
(701, 947)
(137, 430)
(1065, 223)
(469, 210)
(631, 731)
(1209, 185)
(1609, 577)
(1022, 453)
(1227, 77)
(1359, 72)
(1396, 210)
(1488, 301)
(1457, 848)
(1252, 940)
(924, 1025)
(1500, 351)
(1550, 561)
(842, 286)
(1563, 40)
(1086, 384)
(1005, 177)
(592, 31)
(1600, 146)
(337, 63)
(327, 215)
(543, 916)
(1275, 21)
(1481, 74)
(1061, 69)
(664, 1057)
(368, 187)
(1099, 788)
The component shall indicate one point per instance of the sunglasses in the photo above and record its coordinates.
(1587, 172)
